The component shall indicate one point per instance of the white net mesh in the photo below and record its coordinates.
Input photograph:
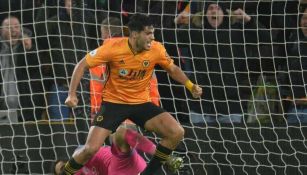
(248, 56)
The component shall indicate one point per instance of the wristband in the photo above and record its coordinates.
(189, 85)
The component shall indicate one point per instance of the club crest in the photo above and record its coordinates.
(99, 118)
(146, 63)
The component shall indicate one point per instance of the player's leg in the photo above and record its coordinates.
(107, 121)
(95, 139)
(118, 140)
(167, 127)
(171, 132)
(125, 138)
(155, 119)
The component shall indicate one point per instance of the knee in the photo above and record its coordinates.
(181, 132)
(178, 133)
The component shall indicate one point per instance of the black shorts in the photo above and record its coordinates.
(112, 114)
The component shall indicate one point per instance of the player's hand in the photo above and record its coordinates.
(71, 101)
(196, 91)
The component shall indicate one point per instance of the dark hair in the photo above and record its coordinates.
(302, 9)
(8, 17)
(111, 21)
(114, 25)
(138, 22)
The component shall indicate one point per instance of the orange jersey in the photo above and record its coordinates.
(96, 88)
(129, 74)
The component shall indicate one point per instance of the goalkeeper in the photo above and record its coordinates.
(131, 63)
(121, 157)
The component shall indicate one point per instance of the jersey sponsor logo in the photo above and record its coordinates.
(93, 52)
(132, 74)
(146, 63)
(99, 118)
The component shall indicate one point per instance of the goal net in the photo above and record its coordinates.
(248, 56)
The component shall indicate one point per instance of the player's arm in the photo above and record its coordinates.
(78, 72)
(94, 58)
(177, 74)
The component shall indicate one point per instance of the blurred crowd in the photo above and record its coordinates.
(248, 56)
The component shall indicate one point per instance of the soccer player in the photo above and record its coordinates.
(131, 62)
(110, 27)
(121, 157)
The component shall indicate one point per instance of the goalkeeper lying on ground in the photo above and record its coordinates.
(121, 158)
